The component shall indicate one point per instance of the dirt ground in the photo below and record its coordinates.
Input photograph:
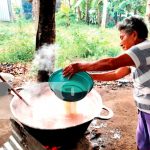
(117, 133)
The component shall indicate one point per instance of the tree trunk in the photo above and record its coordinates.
(69, 4)
(78, 11)
(35, 12)
(46, 24)
(104, 16)
(46, 31)
(87, 11)
(98, 15)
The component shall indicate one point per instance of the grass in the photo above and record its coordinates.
(85, 42)
(78, 41)
(16, 42)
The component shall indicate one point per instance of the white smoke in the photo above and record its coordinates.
(45, 58)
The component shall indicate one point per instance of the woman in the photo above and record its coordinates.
(133, 36)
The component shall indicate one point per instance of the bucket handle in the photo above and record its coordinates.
(103, 117)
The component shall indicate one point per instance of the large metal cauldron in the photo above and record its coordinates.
(54, 121)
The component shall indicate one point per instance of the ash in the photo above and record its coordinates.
(99, 139)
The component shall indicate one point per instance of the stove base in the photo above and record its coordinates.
(22, 140)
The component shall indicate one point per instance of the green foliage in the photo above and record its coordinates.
(118, 9)
(79, 2)
(92, 16)
(17, 41)
(65, 15)
(4, 35)
(78, 42)
(85, 42)
(20, 49)
(63, 20)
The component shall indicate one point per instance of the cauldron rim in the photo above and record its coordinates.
(98, 107)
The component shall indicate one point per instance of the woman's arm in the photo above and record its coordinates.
(111, 75)
(107, 64)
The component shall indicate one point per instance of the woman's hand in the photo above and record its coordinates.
(71, 69)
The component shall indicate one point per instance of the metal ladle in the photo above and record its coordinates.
(12, 89)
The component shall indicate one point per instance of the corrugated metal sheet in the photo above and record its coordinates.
(5, 10)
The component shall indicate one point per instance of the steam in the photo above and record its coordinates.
(43, 63)
(45, 58)
(42, 66)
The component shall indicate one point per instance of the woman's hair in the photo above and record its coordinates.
(134, 23)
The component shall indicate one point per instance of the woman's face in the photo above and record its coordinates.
(127, 40)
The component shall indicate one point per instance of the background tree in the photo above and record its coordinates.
(46, 31)
(104, 14)
(109, 12)
(46, 24)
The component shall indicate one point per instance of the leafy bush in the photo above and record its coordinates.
(17, 42)
(19, 49)
(78, 42)
(85, 42)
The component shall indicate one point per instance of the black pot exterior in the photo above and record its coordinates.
(59, 137)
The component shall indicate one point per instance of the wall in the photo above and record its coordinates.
(5, 10)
